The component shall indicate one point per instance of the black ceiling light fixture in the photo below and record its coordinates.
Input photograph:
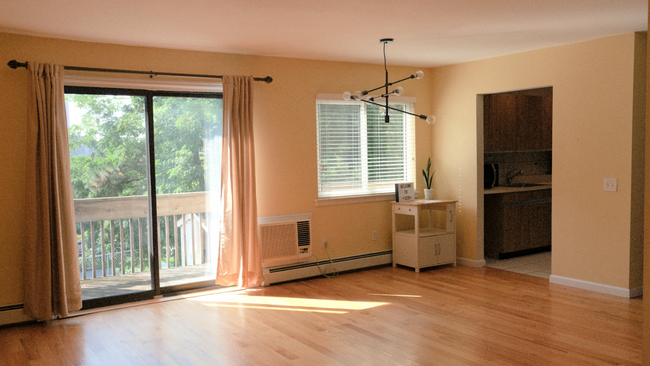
(366, 98)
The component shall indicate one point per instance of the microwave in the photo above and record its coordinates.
(491, 172)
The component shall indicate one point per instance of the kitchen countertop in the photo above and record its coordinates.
(498, 190)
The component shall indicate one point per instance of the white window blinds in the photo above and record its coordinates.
(360, 154)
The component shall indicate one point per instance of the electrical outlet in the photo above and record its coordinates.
(374, 235)
(325, 242)
(610, 184)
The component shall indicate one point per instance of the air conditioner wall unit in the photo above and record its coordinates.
(285, 239)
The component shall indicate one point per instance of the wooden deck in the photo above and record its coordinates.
(121, 223)
(129, 283)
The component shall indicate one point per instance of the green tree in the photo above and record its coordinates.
(183, 125)
(109, 158)
(112, 128)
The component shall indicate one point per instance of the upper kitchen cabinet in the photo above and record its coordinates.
(518, 121)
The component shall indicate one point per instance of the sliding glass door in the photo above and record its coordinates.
(146, 180)
(188, 179)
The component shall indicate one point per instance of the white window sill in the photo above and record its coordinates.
(345, 200)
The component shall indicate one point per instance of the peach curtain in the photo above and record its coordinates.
(239, 262)
(51, 264)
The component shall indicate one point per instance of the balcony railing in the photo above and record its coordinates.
(113, 233)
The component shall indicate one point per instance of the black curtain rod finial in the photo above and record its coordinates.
(15, 64)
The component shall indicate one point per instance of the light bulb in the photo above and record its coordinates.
(419, 74)
(358, 95)
(398, 91)
(431, 119)
(346, 96)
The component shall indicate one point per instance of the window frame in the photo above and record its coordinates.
(367, 195)
(84, 84)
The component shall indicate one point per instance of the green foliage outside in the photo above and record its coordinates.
(109, 157)
(113, 129)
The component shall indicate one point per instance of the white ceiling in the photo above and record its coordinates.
(427, 32)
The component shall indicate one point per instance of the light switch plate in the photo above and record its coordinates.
(610, 184)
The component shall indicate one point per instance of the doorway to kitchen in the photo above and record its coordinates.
(516, 164)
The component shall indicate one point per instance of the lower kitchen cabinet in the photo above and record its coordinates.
(517, 223)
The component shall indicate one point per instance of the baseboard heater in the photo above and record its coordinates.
(310, 269)
(13, 314)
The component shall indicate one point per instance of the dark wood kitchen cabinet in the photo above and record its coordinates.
(514, 122)
(517, 222)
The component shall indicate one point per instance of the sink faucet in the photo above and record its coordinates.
(510, 176)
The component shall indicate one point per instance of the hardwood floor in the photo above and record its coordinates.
(385, 316)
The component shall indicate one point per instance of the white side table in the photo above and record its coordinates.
(424, 247)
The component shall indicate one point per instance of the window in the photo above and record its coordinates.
(360, 154)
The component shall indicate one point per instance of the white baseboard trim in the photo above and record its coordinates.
(596, 287)
(13, 315)
(470, 262)
(636, 292)
(310, 269)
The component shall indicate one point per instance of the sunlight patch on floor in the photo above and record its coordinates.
(285, 303)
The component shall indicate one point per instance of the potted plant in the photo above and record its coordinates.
(428, 192)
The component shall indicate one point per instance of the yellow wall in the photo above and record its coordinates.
(285, 133)
(594, 236)
(593, 130)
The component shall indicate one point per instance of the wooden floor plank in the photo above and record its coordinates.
(384, 316)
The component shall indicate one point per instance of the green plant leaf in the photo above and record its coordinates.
(428, 178)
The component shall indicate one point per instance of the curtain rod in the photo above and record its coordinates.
(15, 64)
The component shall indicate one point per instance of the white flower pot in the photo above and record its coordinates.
(428, 194)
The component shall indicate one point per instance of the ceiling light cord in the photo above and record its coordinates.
(386, 117)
